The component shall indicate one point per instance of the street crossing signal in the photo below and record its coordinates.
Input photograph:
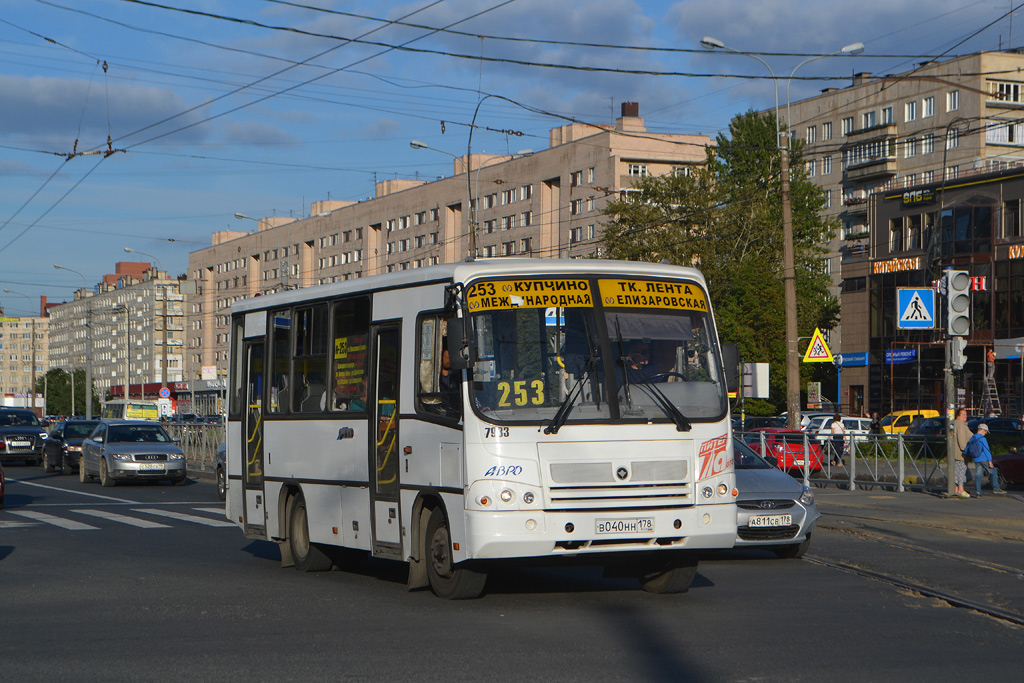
(958, 303)
(957, 357)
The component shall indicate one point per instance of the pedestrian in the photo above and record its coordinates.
(838, 430)
(876, 423)
(961, 436)
(990, 367)
(982, 455)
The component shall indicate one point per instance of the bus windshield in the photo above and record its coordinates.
(636, 357)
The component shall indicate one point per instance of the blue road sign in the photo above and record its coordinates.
(915, 308)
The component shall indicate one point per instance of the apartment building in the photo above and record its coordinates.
(941, 120)
(130, 325)
(24, 358)
(539, 205)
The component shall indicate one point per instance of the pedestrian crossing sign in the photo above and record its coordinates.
(915, 308)
(817, 350)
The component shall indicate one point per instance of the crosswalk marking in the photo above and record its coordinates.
(216, 511)
(56, 521)
(124, 519)
(186, 518)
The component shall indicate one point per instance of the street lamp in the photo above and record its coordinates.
(11, 291)
(88, 357)
(470, 211)
(789, 259)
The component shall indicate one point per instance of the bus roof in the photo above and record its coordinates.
(466, 270)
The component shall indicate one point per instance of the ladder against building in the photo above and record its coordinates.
(990, 402)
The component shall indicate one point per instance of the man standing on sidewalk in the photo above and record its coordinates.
(961, 437)
(982, 456)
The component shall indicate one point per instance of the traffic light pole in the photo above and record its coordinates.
(950, 392)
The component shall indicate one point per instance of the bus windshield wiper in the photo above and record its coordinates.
(667, 406)
(570, 400)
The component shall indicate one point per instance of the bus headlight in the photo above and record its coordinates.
(506, 496)
(723, 489)
(528, 497)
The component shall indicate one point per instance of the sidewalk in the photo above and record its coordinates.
(1003, 514)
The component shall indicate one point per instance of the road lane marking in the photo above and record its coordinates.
(186, 518)
(56, 521)
(80, 493)
(124, 519)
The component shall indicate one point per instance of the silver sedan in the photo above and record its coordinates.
(774, 510)
(131, 450)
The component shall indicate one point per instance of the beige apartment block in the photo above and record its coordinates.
(24, 358)
(944, 119)
(543, 204)
(131, 323)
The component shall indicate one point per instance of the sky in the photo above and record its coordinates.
(149, 124)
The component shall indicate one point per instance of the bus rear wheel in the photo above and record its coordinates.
(674, 577)
(308, 557)
(446, 580)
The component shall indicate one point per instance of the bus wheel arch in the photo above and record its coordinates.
(293, 534)
(425, 503)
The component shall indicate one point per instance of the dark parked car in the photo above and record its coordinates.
(1011, 466)
(999, 425)
(757, 421)
(131, 450)
(927, 426)
(64, 445)
(3, 486)
(21, 436)
(773, 510)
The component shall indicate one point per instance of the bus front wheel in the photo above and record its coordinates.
(308, 557)
(446, 580)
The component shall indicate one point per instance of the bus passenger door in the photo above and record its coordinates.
(253, 505)
(384, 456)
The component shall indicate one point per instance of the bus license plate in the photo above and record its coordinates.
(150, 466)
(770, 520)
(643, 525)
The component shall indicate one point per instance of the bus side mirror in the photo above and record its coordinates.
(731, 359)
(461, 352)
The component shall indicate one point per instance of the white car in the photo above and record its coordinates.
(821, 427)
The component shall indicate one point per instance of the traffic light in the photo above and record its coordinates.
(958, 303)
(957, 357)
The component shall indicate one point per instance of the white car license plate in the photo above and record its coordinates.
(20, 443)
(644, 525)
(770, 520)
(798, 462)
(150, 466)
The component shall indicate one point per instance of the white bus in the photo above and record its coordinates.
(133, 409)
(584, 417)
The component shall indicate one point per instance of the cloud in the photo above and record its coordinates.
(255, 133)
(379, 129)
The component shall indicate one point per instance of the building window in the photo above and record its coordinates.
(575, 206)
(910, 111)
(867, 119)
(952, 138)
(527, 244)
(526, 192)
(526, 218)
(638, 170)
(826, 165)
(1011, 218)
(812, 135)
(927, 107)
(828, 199)
(886, 115)
(928, 144)
(590, 174)
(847, 125)
(812, 168)
(575, 235)
(576, 178)
(927, 176)
(910, 148)
(826, 130)
(952, 100)
(1004, 91)
(895, 235)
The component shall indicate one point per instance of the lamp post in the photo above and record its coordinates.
(11, 291)
(470, 211)
(789, 258)
(88, 328)
(167, 332)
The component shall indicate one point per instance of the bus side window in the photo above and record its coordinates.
(349, 336)
(281, 388)
(439, 388)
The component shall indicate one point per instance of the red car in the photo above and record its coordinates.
(786, 446)
(1011, 466)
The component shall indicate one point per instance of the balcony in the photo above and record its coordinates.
(873, 167)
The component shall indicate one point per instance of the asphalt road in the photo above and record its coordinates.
(163, 593)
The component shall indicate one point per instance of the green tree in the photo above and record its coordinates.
(726, 219)
(56, 384)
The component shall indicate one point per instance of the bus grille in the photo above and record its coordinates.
(623, 495)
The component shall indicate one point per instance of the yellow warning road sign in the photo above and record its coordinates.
(817, 351)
